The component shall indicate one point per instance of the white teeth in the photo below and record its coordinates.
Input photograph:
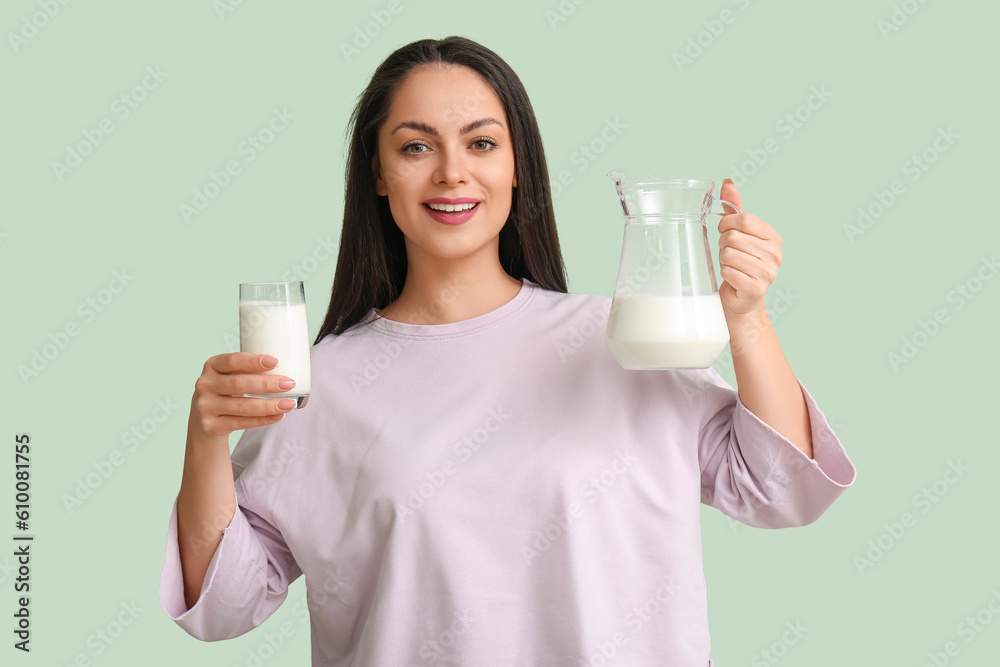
(450, 207)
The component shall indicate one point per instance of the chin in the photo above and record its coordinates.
(457, 248)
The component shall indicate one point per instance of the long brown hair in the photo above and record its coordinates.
(371, 262)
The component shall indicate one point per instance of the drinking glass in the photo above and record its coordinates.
(273, 321)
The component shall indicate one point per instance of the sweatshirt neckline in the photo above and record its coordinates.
(461, 328)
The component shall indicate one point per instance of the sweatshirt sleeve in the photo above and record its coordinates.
(246, 581)
(754, 474)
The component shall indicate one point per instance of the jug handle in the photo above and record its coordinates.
(721, 213)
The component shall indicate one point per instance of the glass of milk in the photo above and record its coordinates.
(273, 321)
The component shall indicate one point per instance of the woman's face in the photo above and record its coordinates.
(446, 137)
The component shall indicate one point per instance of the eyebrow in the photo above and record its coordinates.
(428, 129)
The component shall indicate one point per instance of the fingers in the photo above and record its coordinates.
(248, 406)
(240, 373)
(225, 394)
(749, 224)
(241, 384)
(763, 268)
(221, 415)
(762, 249)
(241, 362)
(223, 425)
(742, 282)
(745, 264)
(729, 193)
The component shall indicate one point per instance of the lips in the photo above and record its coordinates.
(464, 210)
(463, 202)
(445, 200)
(452, 217)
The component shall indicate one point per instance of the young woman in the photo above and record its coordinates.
(475, 480)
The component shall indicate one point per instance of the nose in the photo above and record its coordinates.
(452, 168)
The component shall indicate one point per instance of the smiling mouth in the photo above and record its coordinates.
(460, 211)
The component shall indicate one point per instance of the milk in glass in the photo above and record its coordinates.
(278, 329)
(662, 332)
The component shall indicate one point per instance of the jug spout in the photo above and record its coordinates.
(625, 179)
(644, 195)
(626, 183)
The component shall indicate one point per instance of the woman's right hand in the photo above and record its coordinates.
(206, 502)
(219, 406)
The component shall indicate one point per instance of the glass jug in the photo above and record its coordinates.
(666, 312)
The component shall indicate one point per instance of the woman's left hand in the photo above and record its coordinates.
(749, 256)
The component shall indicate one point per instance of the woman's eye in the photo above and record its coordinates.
(482, 145)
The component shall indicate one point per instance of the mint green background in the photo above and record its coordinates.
(855, 301)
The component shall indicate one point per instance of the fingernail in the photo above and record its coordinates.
(286, 404)
(286, 383)
(267, 361)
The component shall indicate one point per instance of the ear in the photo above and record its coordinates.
(380, 188)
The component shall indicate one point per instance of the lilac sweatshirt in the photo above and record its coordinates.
(498, 491)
